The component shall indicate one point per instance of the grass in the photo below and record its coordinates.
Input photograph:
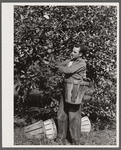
(106, 136)
(101, 137)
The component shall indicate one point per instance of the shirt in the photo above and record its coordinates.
(75, 70)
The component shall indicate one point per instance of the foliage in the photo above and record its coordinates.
(49, 33)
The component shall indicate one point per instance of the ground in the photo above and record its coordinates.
(101, 137)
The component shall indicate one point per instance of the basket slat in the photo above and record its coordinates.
(35, 130)
(85, 124)
(50, 129)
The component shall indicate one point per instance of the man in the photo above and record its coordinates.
(69, 113)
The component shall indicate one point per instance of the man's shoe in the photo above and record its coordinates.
(63, 141)
(60, 141)
(82, 143)
(78, 143)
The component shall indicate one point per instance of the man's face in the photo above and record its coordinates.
(75, 53)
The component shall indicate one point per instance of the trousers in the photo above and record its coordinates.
(69, 117)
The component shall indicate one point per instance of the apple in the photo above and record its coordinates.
(46, 16)
(49, 51)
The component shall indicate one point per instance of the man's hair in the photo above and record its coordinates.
(83, 48)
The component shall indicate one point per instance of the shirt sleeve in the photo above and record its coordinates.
(64, 63)
(73, 68)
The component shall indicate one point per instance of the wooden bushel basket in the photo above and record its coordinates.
(74, 92)
(85, 124)
(35, 130)
(50, 129)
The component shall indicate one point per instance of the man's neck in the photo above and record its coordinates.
(76, 59)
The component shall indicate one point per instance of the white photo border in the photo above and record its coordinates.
(8, 73)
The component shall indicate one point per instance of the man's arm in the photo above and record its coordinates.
(64, 63)
(73, 68)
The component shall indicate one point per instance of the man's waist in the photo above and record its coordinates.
(74, 81)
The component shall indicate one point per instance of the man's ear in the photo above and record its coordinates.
(80, 54)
